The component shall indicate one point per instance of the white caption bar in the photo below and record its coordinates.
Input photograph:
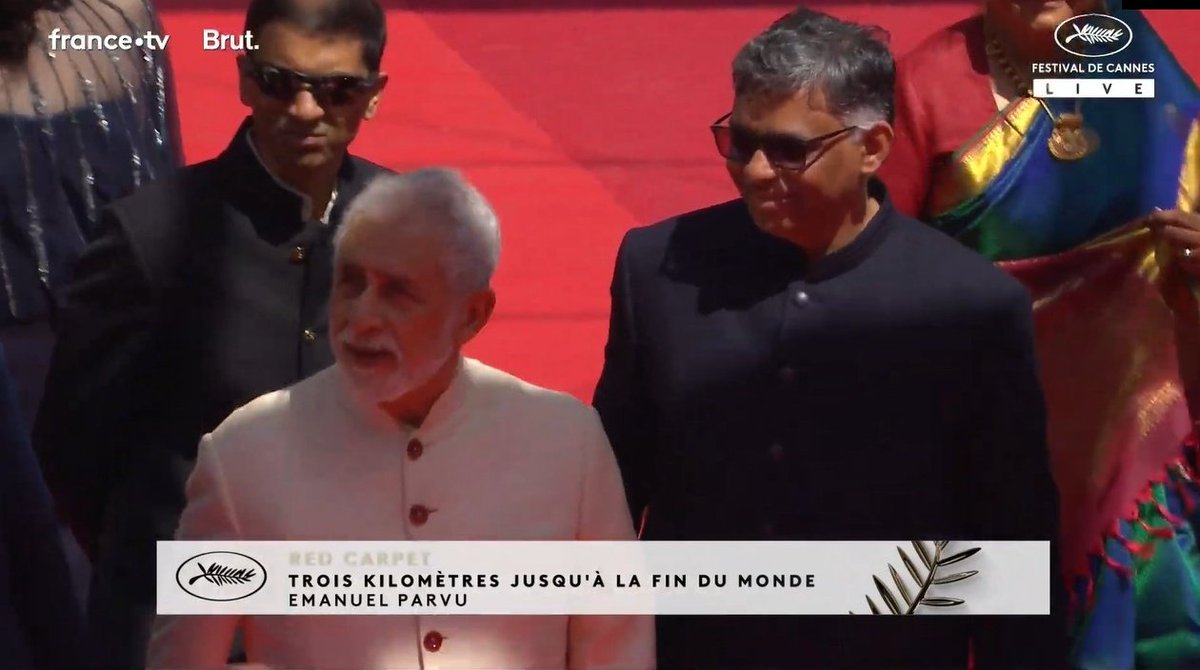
(557, 578)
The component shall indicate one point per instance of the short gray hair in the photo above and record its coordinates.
(442, 202)
(810, 51)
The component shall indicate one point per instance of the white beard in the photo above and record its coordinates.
(408, 375)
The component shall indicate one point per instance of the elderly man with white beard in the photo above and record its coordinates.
(404, 438)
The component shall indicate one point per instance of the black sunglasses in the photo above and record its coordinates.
(785, 152)
(330, 90)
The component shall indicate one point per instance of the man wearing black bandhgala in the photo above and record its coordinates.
(205, 290)
(806, 363)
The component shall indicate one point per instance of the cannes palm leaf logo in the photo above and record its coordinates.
(220, 575)
(1093, 35)
(918, 593)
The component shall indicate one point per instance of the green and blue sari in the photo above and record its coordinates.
(1118, 332)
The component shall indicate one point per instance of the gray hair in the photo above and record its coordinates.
(442, 202)
(810, 51)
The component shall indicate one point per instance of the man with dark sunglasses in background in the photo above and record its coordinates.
(205, 290)
(806, 363)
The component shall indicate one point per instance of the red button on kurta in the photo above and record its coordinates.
(418, 514)
(415, 449)
(297, 256)
(433, 640)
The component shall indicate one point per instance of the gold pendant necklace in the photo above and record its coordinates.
(1070, 140)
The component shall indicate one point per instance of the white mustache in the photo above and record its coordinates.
(379, 344)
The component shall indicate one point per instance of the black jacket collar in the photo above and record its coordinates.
(275, 209)
(831, 265)
(851, 255)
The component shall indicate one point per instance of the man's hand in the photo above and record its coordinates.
(1181, 231)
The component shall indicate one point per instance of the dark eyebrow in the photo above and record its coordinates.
(336, 73)
(771, 137)
(392, 281)
(740, 128)
(382, 277)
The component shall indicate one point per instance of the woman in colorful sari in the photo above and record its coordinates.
(1092, 204)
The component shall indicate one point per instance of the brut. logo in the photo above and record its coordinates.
(1093, 35)
(221, 576)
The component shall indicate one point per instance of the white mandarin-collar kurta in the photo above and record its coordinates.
(496, 459)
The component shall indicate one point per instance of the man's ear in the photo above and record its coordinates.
(877, 144)
(480, 306)
(373, 105)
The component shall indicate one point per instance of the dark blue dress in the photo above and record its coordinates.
(78, 129)
(40, 622)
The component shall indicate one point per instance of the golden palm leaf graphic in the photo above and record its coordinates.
(919, 594)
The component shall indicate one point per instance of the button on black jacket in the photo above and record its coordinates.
(192, 302)
(887, 392)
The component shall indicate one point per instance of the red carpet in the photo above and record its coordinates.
(577, 123)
